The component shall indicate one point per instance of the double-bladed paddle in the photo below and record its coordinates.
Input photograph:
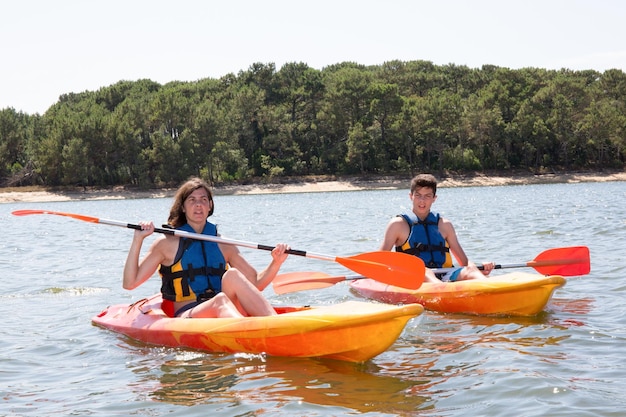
(392, 268)
(567, 261)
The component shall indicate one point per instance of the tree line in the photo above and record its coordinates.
(346, 119)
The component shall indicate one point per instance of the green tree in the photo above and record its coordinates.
(227, 164)
(15, 133)
(384, 110)
(442, 127)
(357, 144)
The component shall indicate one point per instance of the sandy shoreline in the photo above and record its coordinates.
(118, 193)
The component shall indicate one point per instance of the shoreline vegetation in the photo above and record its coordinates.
(304, 185)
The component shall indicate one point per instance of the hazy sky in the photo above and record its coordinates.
(53, 47)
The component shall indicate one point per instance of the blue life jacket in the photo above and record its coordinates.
(426, 242)
(196, 274)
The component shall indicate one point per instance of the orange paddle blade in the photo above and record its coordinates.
(568, 261)
(302, 281)
(58, 213)
(393, 268)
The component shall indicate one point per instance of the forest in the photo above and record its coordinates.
(268, 124)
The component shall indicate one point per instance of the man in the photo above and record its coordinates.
(430, 237)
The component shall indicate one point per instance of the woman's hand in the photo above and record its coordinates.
(147, 228)
(279, 253)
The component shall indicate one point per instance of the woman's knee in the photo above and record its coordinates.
(221, 300)
(231, 274)
(234, 279)
(219, 306)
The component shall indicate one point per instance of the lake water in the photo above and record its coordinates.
(569, 360)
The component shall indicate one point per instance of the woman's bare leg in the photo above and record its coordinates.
(218, 306)
(248, 299)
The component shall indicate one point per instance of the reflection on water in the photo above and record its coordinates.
(194, 381)
(255, 379)
(450, 353)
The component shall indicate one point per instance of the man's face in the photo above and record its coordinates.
(423, 198)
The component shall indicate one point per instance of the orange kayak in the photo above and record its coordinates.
(352, 331)
(512, 294)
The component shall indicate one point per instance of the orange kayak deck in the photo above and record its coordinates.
(512, 294)
(352, 331)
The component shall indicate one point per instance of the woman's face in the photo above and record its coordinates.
(197, 206)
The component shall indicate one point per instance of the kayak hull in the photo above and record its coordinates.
(351, 331)
(513, 294)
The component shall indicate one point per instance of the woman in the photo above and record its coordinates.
(200, 278)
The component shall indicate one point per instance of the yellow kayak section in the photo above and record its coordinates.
(512, 294)
(352, 331)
